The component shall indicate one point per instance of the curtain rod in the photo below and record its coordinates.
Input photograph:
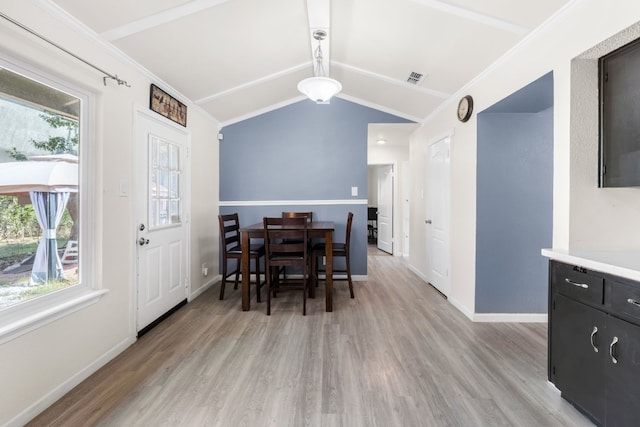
(29, 30)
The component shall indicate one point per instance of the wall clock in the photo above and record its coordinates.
(465, 108)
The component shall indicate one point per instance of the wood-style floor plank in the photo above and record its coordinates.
(397, 355)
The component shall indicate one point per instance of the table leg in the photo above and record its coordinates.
(328, 252)
(244, 269)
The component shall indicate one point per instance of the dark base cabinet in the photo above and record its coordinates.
(594, 343)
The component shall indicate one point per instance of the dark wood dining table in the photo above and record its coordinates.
(316, 229)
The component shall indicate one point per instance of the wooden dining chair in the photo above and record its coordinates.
(339, 250)
(232, 249)
(308, 215)
(286, 245)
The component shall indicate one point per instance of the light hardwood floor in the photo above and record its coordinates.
(397, 355)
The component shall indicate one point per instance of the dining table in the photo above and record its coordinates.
(315, 230)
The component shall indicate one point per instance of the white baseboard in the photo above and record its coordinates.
(50, 398)
(418, 273)
(499, 317)
(195, 294)
(462, 308)
(490, 317)
(511, 317)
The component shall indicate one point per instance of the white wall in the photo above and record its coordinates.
(36, 368)
(582, 25)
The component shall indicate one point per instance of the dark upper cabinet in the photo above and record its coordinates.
(619, 95)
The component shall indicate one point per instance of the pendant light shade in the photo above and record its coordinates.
(319, 88)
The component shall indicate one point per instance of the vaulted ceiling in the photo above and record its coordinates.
(239, 58)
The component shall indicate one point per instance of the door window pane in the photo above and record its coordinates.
(164, 182)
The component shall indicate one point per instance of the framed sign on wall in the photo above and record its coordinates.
(166, 105)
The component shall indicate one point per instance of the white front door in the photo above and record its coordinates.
(161, 218)
(438, 213)
(385, 208)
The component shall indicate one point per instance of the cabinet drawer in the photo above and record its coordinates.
(624, 301)
(580, 286)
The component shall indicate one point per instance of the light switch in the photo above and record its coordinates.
(354, 191)
(123, 188)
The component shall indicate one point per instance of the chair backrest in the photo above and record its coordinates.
(285, 241)
(347, 242)
(229, 231)
(308, 215)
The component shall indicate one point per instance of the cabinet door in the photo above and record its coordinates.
(623, 377)
(576, 367)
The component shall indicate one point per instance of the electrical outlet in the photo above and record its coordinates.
(205, 269)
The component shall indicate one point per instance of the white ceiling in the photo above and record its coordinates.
(239, 58)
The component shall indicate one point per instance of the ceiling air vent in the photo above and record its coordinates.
(415, 78)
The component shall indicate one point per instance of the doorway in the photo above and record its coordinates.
(161, 218)
(388, 146)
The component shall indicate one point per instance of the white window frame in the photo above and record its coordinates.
(26, 316)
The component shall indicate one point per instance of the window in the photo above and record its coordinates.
(43, 210)
(164, 197)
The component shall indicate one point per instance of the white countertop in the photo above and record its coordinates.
(619, 263)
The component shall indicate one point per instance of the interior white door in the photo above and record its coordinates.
(385, 208)
(438, 214)
(161, 218)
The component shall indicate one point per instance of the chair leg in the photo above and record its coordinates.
(268, 273)
(305, 285)
(314, 276)
(224, 279)
(349, 277)
(235, 286)
(257, 261)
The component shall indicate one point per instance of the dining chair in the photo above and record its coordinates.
(285, 242)
(308, 215)
(339, 250)
(232, 249)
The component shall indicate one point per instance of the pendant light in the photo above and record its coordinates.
(319, 88)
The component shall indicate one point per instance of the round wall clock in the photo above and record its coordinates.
(465, 108)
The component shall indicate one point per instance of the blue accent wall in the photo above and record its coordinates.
(302, 152)
(514, 210)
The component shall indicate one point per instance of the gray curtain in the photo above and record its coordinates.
(49, 208)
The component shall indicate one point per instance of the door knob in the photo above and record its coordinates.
(142, 241)
(141, 227)
(428, 221)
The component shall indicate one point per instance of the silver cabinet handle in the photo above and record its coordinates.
(593, 334)
(580, 285)
(633, 302)
(613, 344)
